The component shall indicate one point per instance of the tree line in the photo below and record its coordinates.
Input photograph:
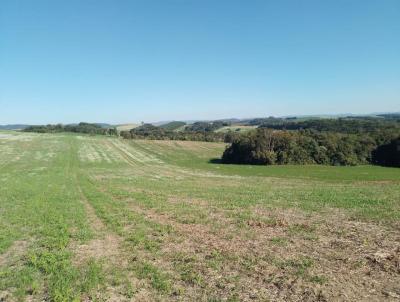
(82, 127)
(354, 125)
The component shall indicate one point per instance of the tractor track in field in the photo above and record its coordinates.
(106, 247)
(106, 244)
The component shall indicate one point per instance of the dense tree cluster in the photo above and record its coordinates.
(79, 128)
(387, 154)
(269, 147)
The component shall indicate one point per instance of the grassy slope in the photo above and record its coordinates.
(100, 217)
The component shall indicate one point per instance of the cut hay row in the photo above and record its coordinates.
(10, 154)
(93, 150)
(44, 156)
(105, 156)
(175, 148)
(17, 137)
(110, 151)
(150, 148)
(135, 154)
(87, 153)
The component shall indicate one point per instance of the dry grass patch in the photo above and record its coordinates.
(289, 256)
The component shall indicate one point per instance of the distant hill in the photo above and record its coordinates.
(14, 127)
(172, 126)
(231, 124)
(24, 126)
(104, 125)
(390, 115)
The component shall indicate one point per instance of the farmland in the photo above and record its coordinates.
(105, 219)
(237, 128)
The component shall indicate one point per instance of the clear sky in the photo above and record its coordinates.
(124, 61)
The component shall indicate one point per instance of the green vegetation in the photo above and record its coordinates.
(322, 141)
(341, 125)
(38, 221)
(79, 128)
(387, 154)
(198, 131)
(100, 218)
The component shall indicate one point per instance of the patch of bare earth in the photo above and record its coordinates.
(283, 255)
(213, 261)
(14, 252)
(351, 260)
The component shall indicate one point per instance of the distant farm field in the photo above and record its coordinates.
(236, 128)
(95, 218)
(126, 127)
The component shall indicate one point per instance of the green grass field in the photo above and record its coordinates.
(86, 218)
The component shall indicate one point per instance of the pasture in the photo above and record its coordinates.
(95, 218)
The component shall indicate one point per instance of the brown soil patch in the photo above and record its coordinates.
(317, 260)
(14, 252)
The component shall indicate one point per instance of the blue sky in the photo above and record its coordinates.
(125, 61)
